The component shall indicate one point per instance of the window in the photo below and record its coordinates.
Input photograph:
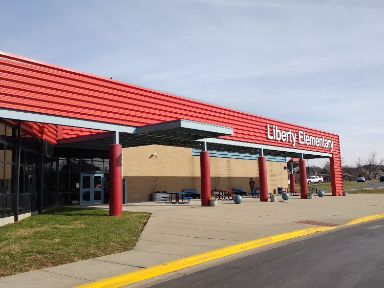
(6, 195)
(2, 129)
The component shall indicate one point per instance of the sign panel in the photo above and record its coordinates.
(295, 137)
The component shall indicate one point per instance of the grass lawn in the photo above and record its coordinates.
(66, 235)
(351, 187)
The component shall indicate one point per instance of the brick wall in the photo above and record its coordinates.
(174, 169)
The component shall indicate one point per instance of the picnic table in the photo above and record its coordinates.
(222, 194)
(178, 198)
(218, 194)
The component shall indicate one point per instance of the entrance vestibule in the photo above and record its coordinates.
(91, 188)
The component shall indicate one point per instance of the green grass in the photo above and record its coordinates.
(351, 187)
(66, 235)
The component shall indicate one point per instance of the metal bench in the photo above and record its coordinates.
(166, 198)
(239, 191)
(184, 198)
(192, 193)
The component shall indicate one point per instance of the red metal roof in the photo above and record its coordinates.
(32, 86)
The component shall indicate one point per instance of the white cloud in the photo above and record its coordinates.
(316, 63)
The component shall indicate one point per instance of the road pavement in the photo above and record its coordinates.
(352, 257)
(370, 184)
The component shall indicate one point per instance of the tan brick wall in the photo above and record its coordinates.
(175, 168)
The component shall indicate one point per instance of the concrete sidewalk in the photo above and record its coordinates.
(176, 231)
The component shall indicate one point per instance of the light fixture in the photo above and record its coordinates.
(153, 156)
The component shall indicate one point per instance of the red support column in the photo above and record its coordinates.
(205, 178)
(115, 180)
(292, 184)
(263, 181)
(303, 179)
(333, 176)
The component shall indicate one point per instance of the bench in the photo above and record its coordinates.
(239, 191)
(184, 198)
(191, 193)
(217, 194)
(166, 198)
(161, 196)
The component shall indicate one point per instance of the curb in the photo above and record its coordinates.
(364, 219)
(166, 268)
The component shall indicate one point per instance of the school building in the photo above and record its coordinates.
(69, 137)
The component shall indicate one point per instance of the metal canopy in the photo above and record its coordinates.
(62, 121)
(197, 127)
(253, 148)
(183, 133)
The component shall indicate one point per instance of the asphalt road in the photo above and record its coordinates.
(352, 257)
(370, 184)
(375, 184)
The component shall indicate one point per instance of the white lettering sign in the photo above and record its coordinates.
(288, 136)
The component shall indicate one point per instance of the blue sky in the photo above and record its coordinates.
(315, 63)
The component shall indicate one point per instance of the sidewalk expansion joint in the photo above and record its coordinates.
(317, 223)
(179, 244)
(119, 263)
(205, 230)
(158, 252)
(66, 275)
(195, 237)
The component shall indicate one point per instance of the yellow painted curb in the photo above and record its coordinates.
(365, 219)
(162, 269)
(154, 271)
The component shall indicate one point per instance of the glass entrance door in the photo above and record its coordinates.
(91, 189)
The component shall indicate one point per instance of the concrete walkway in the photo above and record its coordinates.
(176, 231)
